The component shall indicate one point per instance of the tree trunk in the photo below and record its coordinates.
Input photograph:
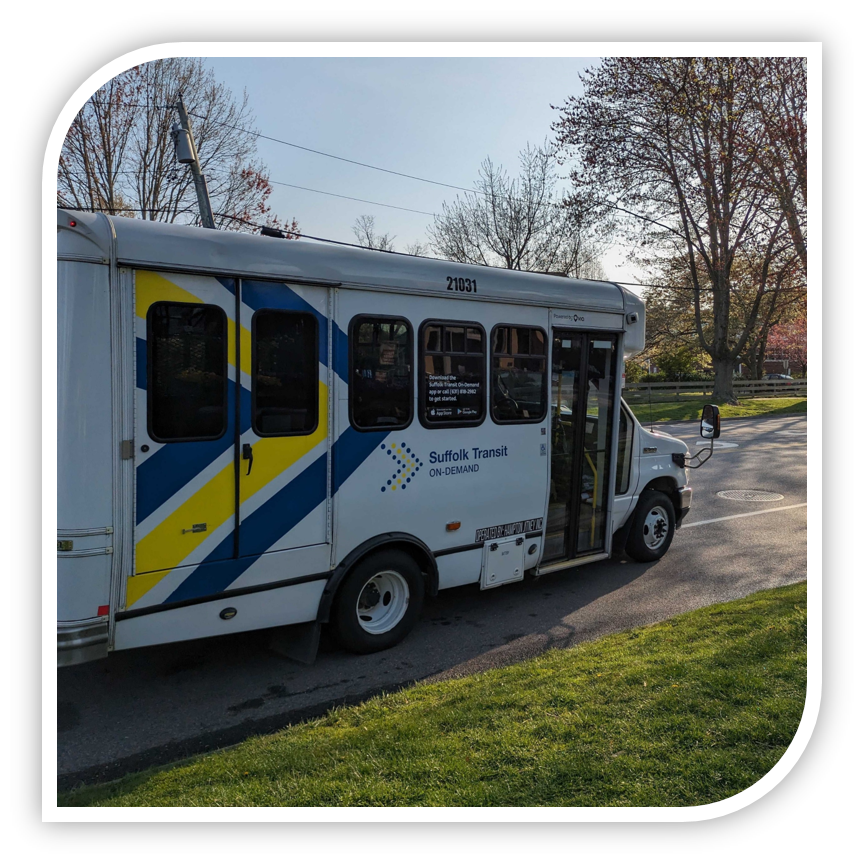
(750, 358)
(723, 391)
(762, 349)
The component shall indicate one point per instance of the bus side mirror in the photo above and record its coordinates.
(710, 427)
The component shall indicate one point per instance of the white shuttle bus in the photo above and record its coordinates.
(258, 433)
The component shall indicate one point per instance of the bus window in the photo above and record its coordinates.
(625, 448)
(381, 381)
(187, 380)
(285, 373)
(452, 376)
(518, 374)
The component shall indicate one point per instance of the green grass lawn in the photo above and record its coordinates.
(690, 408)
(686, 712)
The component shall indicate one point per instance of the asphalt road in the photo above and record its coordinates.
(155, 705)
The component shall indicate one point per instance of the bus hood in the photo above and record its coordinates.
(662, 441)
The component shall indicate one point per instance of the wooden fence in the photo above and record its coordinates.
(669, 391)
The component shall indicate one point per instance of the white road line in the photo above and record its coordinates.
(742, 515)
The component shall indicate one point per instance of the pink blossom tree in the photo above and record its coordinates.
(789, 341)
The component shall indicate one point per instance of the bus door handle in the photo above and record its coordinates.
(247, 454)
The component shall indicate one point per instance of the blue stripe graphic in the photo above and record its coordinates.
(275, 295)
(174, 465)
(350, 451)
(262, 529)
(275, 518)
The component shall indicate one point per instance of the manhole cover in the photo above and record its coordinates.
(749, 495)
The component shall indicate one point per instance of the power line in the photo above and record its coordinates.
(332, 156)
(349, 198)
(321, 239)
(318, 152)
(607, 204)
(351, 162)
(132, 104)
(552, 204)
(65, 171)
(128, 209)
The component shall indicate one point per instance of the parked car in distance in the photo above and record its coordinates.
(776, 376)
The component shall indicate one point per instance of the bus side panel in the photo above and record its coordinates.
(84, 441)
(461, 568)
(494, 478)
(276, 607)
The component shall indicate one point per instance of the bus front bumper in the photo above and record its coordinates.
(81, 641)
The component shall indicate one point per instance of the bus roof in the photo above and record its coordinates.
(160, 245)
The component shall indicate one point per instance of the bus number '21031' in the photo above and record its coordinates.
(466, 286)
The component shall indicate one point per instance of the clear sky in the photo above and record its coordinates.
(436, 118)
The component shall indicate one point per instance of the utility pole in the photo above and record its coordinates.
(187, 153)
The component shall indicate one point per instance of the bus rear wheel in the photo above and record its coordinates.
(378, 603)
(652, 529)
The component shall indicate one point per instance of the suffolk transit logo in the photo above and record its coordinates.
(405, 464)
(466, 460)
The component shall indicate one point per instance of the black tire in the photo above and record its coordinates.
(652, 528)
(363, 619)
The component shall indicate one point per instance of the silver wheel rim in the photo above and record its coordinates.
(382, 602)
(656, 528)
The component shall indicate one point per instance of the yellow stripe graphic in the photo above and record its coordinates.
(138, 586)
(278, 454)
(153, 288)
(166, 546)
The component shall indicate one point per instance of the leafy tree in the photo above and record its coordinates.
(364, 231)
(670, 318)
(633, 371)
(671, 144)
(118, 155)
(679, 364)
(519, 223)
(782, 153)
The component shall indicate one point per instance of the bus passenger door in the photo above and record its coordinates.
(184, 443)
(583, 389)
(283, 419)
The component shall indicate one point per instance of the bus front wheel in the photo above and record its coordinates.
(652, 528)
(379, 602)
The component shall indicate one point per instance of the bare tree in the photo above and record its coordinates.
(417, 248)
(674, 143)
(118, 154)
(520, 223)
(364, 231)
